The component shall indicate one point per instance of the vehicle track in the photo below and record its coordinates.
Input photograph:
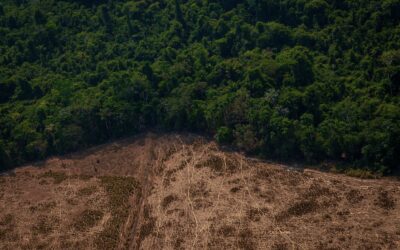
(146, 184)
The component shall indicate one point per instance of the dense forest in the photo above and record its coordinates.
(310, 80)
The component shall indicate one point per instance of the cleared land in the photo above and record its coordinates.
(184, 192)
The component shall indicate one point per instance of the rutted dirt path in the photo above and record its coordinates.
(183, 192)
(147, 182)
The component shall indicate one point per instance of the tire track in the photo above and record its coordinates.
(145, 192)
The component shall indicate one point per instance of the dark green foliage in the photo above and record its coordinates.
(291, 79)
(224, 135)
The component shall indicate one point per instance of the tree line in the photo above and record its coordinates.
(291, 79)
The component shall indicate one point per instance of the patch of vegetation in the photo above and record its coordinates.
(68, 244)
(214, 162)
(255, 214)
(7, 228)
(82, 177)
(398, 230)
(45, 225)
(343, 214)
(146, 229)
(264, 174)
(87, 191)
(354, 196)
(178, 243)
(168, 200)
(362, 173)
(280, 246)
(119, 189)
(87, 219)
(227, 231)
(201, 203)
(43, 206)
(7, 220)
(3, 234)
(72, 201)
(236, 189)
(302, 208)
(246, 239)
(316, 190)
(147, 225)
(385, 200)
(297, 209)
(199, 189)
(58, 177)
(43, 182)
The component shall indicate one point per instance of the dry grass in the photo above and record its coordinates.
(227, 231)
(217, 164)
(281, 246)
(168, 200)
(7, 223)
(119, 190)
(198, 189)
(297, 209)
(213, 162)
(147, 226)
(354, 196)
(181, 192)
(146, 229)
(43, 207)
(6, 220)
(362, 173)
(246, 239)
(255, 214)
(45, 225)
(87, 219)
(57, 177)
(87, 191)
(236, 189)
(385, 200)
(316, 190)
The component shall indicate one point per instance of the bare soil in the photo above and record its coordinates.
(183, 192)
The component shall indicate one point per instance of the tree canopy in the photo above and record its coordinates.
(291, 79)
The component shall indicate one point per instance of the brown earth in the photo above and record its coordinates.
(184, 192)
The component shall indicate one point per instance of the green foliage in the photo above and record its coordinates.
(224, 135)
(273, 35)
(4, 158)
(310, 80)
